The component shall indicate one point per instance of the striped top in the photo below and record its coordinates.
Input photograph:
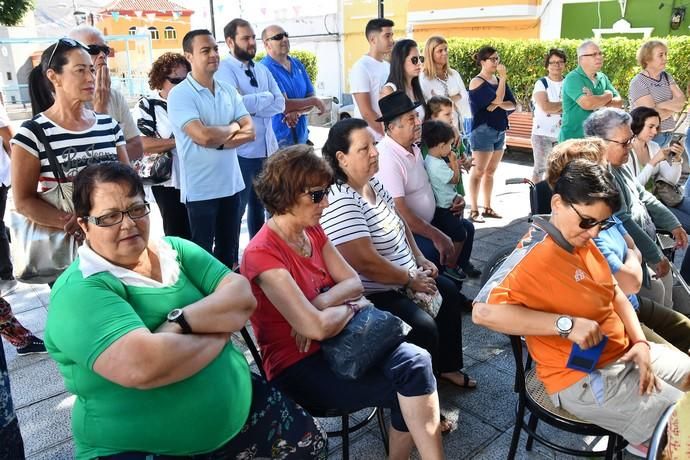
(73, 149)
(349, 217)
(642, 85)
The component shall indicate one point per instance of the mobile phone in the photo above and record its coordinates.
(677, 138)
(586, 360)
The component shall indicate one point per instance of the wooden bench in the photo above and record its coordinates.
(519, 133)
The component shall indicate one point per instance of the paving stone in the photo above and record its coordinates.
(62, 451)
(481, 343)
(23, 298)
(36, 382)
(34, 319)
(498, 449)
(47, 423)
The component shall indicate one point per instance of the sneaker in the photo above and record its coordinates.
(455, 273)
(35, 345)
(472, 271)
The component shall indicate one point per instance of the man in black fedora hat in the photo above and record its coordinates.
(402, 173)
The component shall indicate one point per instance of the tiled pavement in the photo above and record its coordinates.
(484, 416)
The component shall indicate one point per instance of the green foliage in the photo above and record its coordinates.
(524, 60)
(12, 11)
(306, 57)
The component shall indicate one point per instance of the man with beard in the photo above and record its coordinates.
(209, 122)
(262, 98)
(292, 78)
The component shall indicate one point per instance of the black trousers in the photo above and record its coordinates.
(5, 261)
(174, 213)
(440, 336)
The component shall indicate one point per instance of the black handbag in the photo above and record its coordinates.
(669, 194)
(156, 167)
(365, 340)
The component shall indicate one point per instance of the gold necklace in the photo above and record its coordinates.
(302, 247)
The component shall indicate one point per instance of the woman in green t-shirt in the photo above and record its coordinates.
(141, 333)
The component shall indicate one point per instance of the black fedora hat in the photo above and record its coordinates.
(394, 105)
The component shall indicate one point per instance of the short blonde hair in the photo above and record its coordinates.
(644, 54)
(431, 44)
(589, 148)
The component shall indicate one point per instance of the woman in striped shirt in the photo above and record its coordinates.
(78, 136)
(364, 226)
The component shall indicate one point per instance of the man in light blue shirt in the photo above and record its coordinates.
(209, 122)
(263, 99)
(293, 81)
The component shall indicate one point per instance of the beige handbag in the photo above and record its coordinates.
(40, 254)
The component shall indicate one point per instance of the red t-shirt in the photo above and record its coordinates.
(267, 251)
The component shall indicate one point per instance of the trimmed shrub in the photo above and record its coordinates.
(306, 57)
(524, 60)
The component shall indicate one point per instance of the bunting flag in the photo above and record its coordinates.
(150, 16)
(138, 13)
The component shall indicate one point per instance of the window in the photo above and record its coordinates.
(170, 33)
(132, 30)
(154, 33)
(9, 76)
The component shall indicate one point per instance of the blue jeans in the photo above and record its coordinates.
(663, 139)
(256, 214)
(11, 443)
(427, 246)
(217, 221)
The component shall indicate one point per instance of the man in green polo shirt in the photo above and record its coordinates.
(585, 90)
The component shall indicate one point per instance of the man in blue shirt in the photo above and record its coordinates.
(263, 99)
(209, 122)
(292, 78)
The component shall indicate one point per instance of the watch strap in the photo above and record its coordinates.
(182, 321)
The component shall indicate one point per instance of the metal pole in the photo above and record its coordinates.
(380, 8)
(213, 19)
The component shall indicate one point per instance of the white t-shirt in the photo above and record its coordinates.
(547, 124)
(668, 172)
(350, 217)
(368, 76)
(4, 156)
(454, 85)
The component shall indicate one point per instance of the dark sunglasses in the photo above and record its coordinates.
(317, 196)
(175, 80)
(278, 37)
(95, 50)
(587, 222)
(252, 78)
(66, 42)
(417, 60)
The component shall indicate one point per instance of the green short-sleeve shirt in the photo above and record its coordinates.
(574, 115)
(196, 415)
(440, 175)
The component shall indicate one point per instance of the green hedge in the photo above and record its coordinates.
(306, 57)
(524, 60)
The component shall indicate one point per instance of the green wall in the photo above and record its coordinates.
(580, 18)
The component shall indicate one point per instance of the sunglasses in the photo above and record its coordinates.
(69, 43)
(252, 78)
(587, 222)
(175, 80)
(317, 196)
(278, 37)
(95, 50)
(417, 60)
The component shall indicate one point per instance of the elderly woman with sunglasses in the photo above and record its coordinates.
(557, 290)
(60, 87)
(307, 293)
(140, 329)
(167, 71)
(406, 66)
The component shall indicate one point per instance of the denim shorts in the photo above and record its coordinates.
(484, 138)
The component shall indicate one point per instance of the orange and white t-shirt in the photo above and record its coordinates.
(546, 273)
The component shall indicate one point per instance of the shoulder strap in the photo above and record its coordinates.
(55, 166)
(544, 82)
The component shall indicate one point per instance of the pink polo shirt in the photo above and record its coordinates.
(403, 175)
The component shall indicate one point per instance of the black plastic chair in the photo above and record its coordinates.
(346, 430)
(532, 398)
(659, 439)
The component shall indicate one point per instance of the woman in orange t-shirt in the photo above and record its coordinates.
(557, 290)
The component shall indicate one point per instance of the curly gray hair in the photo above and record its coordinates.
(602, 122)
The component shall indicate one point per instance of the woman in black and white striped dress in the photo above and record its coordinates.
(59, 86)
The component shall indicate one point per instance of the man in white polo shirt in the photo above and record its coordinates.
(370, 72)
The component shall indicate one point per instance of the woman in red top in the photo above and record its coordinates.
(306, 293)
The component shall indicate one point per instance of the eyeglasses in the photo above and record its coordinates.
(278, 37)
(70, 43)
(113, 218)
(175, 80)
(587, 222)
(495, 60)
(317, 196)
(623, 143)
(252, 78)
(556, 62)
(417, 60)
(95, 50)
(598, 53)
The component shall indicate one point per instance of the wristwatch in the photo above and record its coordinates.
(564, 325)
(177, 316)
